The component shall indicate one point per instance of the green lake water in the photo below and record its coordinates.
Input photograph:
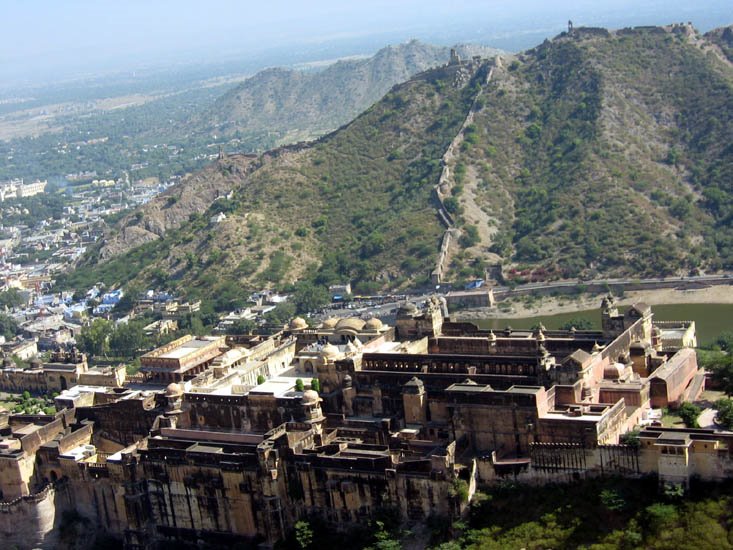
(710, 319)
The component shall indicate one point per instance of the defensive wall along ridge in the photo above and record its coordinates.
(443, 189)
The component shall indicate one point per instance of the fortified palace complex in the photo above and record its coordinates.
(231, 439)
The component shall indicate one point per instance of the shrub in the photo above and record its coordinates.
(459, 490)
(631, 438)
(689, 414)
(612, 500)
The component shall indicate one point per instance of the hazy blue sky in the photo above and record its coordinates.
(66, 37)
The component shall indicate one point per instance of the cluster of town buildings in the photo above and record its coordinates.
(233, 438)
(17, 189)
(30, 254)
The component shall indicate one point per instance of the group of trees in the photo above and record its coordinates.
(719, 362)
(598, 514)
(101, 338)
(8, 326)
(12, 298)
(26, 404)
(689, 413)
(315, 384)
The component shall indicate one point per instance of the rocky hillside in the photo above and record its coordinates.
(287, 105)
(604, 153)
(595, 153)
(171, 209)
(722, 39)
(356, 204)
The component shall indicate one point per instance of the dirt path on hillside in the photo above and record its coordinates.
(474, 214)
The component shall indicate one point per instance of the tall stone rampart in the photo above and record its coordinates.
(29, 521)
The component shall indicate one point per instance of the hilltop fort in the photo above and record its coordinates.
(231, 439)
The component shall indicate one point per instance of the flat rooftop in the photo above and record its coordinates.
(186, 348)
(673, 334)
(278, 386)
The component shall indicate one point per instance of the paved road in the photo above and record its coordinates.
(612, 282)
(383, 310)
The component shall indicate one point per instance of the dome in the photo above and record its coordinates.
(329, 323)
(173, 390)
(350, 325)
(329, 350)
(36, 362)
(613, 371)
(408, 308)
(298, 324)
(8, 363)
(310, 397)
(373, 324)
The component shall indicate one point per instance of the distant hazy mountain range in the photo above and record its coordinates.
(291, 105)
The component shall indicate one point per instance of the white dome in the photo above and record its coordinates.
(310, 397)
(298, 324)
(173, 390)
(329, 350)
(373, 324)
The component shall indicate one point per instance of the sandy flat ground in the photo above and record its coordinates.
(720, 294)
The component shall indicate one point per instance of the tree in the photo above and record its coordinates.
(725, 341)
(309, 297)
(261, 379)
(459, 490)
(631, 438)
(384, 540)
(721, 369)
(192, 323)
(689, 414)
(242, 326)
(612, 500)
(127, 302)
(303, 534)
(126, 339)
(94, 337)
(724, 416)
(299, 386)
(281, 314)
(11, 299)
(8, 326)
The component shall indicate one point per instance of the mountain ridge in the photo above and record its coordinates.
(296, 105)
(577, 158)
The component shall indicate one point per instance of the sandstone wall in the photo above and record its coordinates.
(28, 522)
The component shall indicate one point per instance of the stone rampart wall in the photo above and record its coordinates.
(28, 522)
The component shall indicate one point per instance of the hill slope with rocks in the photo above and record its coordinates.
(288, 105)
(580, 157)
